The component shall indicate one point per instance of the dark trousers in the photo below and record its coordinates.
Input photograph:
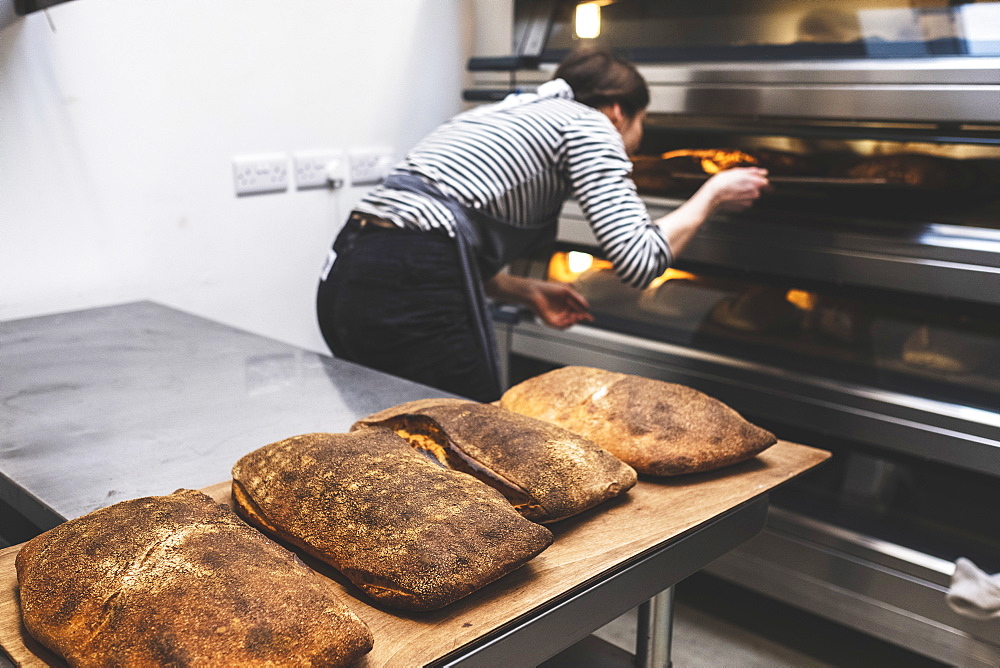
(394, 302)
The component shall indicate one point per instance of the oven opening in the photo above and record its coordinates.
(863, 173)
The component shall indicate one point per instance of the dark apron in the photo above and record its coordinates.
(485, 245)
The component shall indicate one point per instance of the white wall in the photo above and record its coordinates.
(117, 133)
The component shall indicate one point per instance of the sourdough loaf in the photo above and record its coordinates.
(407, 532)
(545, 471)
(179, 580)
(658, 428)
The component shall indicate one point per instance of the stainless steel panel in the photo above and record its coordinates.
(937, 90)
(904, 560)
(963, 104)
(891, 72)
(851, 584)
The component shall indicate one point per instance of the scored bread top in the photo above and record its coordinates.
(179, 580)
(547, 472)
(659, 428)
(407, 532)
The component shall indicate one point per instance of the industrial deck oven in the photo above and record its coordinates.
(856, 307)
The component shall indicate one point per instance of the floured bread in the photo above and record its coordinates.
(944, 350)
(179, 580)
(546, 472)
(659, 428)
(407, 532)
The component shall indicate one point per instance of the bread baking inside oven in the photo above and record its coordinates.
(658, 428)
(712, 160)
(681, 299)
(546, 472)
(603, 285)
(944, 350)
(758, 309)
(406, 531)
(910, 169)
(179, 580)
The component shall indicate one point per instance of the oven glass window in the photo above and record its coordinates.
(914, 173)
(947, 351)
(705, 30)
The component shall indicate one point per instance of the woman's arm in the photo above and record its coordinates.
(640, 249)
(732, 190)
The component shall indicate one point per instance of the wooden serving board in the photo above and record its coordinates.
(652, 513)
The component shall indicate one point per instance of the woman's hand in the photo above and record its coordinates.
(737, 188)
(557, 304)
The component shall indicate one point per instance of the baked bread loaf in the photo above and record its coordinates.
(407, 532)
(910, 169)
(658, 428)
(682, 300)
(179, 580)
(757, 309)
(839, 319)
(945, 350)
(603, 285)
(546, 472)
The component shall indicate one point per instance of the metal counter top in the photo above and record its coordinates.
(112, 403)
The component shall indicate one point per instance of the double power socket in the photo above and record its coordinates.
(333, 168)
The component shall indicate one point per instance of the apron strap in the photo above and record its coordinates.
(467, 245)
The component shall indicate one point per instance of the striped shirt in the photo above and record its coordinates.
(518, 160)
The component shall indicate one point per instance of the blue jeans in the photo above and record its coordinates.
(394, 301)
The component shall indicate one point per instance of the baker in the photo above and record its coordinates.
(405, 286)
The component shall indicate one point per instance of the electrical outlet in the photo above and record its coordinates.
(320, 169)
(254, 174)
(369, 165)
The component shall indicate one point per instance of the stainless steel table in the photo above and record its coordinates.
(125, 401)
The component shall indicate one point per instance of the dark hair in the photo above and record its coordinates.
(598, 78)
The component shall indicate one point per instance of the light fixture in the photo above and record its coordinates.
(588, 20)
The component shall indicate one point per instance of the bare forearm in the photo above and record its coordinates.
(680, 225)
(507, 287)
(735, 189)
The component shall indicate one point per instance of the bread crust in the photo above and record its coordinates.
(407, 532)
(547, 472)
(658, 428)
(179, 580)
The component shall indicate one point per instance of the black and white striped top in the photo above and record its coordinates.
(518, 160)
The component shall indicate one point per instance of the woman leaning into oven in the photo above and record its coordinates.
(404, 289)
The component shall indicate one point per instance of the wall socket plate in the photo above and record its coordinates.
(320, 168)
(263, 173)
(370, 165)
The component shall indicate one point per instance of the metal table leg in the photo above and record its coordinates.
(655, 631)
